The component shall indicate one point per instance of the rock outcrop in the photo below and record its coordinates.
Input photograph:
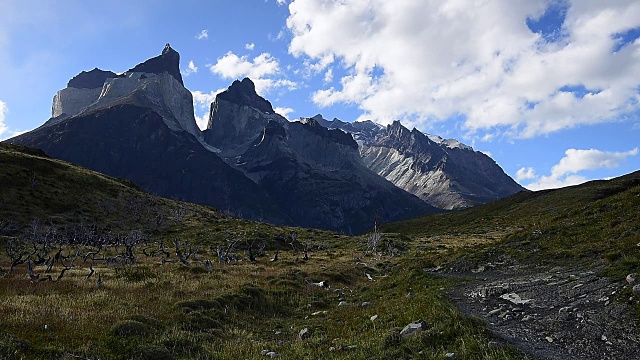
(155, 84)
(314, 173)
(445, 173)
(140, 126)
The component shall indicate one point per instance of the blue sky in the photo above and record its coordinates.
(550, 89)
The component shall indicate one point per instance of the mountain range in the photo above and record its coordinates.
(252, 162)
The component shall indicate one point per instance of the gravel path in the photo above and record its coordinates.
(552, 313)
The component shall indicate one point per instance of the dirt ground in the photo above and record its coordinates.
(551, 313)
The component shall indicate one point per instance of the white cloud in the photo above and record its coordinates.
(201, 103)
(427, 61)
(261, 69)
(284, 111)
(281, 2)
(202, 35)
(250, 46)
(202, 121)
(191, 69)
(525, 174)
(5, 132)
(3, 113)
(328, 76)
(565, 173)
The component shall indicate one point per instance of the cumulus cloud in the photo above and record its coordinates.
(565, 172)
(204, 34)
(525, 174)
(284, 111)
(3, 113)
(262, 69)
(191, 68)
(427, 61)
(5, 132)
(250, 46)
(201, 103)
(328, 76)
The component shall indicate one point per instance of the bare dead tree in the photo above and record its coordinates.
(225, 253)
(178, 213)
(32, 275)
(208, 264)
(15, 250)
(184, 251)
(68, 266)
(33, 180)
(306, 251)
(374, 240)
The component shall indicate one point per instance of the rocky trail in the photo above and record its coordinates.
(552, 313)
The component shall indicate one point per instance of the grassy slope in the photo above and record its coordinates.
(152, 310)
(599, 220)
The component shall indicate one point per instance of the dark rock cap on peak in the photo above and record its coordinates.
(168, 61)
(91, 79)
(244, 93)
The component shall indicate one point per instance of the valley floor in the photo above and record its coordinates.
(552, 313)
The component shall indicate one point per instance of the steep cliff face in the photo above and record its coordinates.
(443, 172)
(236, 117)
(314, 173)
(446, 174)
(141, 127)
(155, 84)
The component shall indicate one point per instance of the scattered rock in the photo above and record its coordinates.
(373, 318)
(304, 334)
(549, 339)
(410, 295)
(321, 312)
(369, 276)
(494, 311)
(515, 298)
(322, 284)
(631, 279)
(333, 348)
(450, 356)
(271, 354)
(636, 289)
(366, 304)
(413, 329)
(343, 303)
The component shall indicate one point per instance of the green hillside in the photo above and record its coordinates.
(93, 268)
(595, 221)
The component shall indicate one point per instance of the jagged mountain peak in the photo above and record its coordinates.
(168, 61)
(90, 79)
(335, 135)
(274, 128)
(244, 93)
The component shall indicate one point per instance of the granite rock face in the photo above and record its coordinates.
(140, 126)
(91, 79)
(315, 174)
(167, 62)
(443, 172)
(155, 84)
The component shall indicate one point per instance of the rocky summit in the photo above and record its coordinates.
(140, 126)
(445, 173)
(251, 161)
(314, 173)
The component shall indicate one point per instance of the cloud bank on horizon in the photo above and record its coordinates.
(516, 68)
(534, 83)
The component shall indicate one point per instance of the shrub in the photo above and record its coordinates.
(149, 352)
(129, 328)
